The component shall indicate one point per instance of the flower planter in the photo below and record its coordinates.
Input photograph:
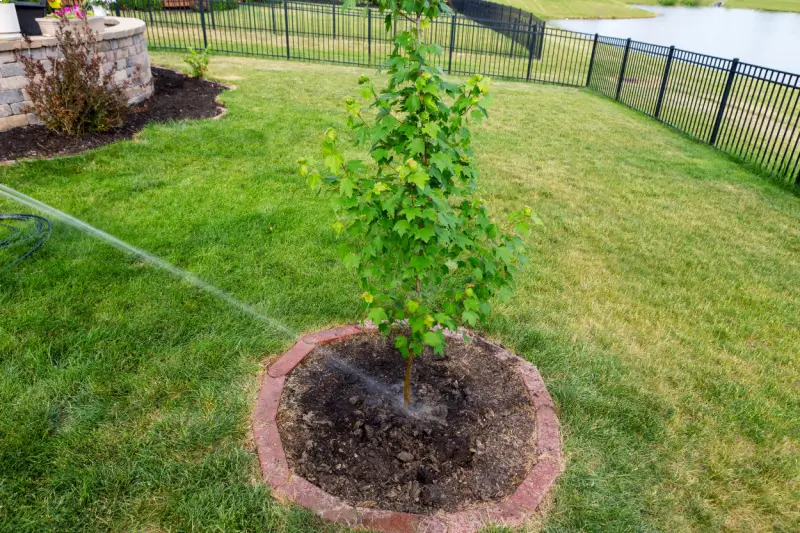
(9, 26)
(49, 26)
(27, 13)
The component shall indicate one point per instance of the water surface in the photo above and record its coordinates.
(766, 39)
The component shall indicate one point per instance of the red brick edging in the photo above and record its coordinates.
(511, 511)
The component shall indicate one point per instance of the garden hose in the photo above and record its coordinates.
(41, 231)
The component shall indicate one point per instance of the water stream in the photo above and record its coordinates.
(144, 255)
(392, 393)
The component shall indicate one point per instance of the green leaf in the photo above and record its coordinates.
(351, 260)
(419, 178)
(431, 129)
(471, 304)
(420, 262)
(355, 165)
(442, 161)
(433, 338)
(416, 146)
(380, 154)
(377, 315)
(469, 317)
(411, 213)
(346, 187)
(401, 343)
(424, 234)
(333, 162)
(417, 324)
(505, 254)
(445, 320)
(314, 179)
(401, 227)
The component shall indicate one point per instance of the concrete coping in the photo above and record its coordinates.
(116, 28)
(512, 511)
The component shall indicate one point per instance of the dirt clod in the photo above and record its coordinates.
(405, 457)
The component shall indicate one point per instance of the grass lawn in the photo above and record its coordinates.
(612, 9)
(661, 308)
(579, 9)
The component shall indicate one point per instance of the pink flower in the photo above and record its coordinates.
(70, 12)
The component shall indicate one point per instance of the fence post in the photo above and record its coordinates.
(541, 32)
(149, 11)
(369, 36)
(724, 102)
(333, 13)
(591, 60)
(532, 35)
(203, 23)
(664, 80)
(286, 25)
(211, 10)
(624, 64)
(452, 43)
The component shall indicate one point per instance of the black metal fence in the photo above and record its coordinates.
(498, 17)
(748, 111)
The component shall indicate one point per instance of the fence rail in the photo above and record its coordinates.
(748, 111)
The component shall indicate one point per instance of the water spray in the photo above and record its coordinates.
(201, 284)
(143, 255)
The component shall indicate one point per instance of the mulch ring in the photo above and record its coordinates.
(176, 97)
(467, 438)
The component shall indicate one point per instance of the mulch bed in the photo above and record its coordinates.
(468, 436)
(176, 97)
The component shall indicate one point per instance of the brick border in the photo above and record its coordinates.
(512, 511)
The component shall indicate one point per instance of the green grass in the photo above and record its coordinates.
(661, 308)
(581, 9)
(612, 9)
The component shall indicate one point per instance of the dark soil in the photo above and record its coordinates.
(176, 97)
(468, 436)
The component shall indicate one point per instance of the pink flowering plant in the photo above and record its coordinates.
(70, 13)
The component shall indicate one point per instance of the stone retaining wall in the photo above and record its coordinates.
(122, 45)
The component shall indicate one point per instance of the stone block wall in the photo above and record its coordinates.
(124, 50)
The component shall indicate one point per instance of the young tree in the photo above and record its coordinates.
(420, 238)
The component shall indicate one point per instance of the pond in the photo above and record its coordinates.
(766, 39)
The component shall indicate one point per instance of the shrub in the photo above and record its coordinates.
(198, 61)
(140, 5)
(419, 235)
(216, 5)
(667, 2)
(75, 96)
